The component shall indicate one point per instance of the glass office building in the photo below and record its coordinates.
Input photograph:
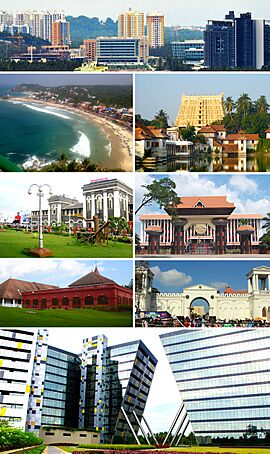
(223, 378)
(115, 386)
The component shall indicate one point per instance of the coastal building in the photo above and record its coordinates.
(188, 51)
(222, 379)
(238, 143)
(150, 139)
(206, 225)
(103, 197)
(155, 29)
(250, 303)
(61, 33)
(11, 291)
(103, 389)
(200, 111)
(92, 290)
(131, 24)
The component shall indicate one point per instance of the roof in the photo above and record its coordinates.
(92, 278)
(231, 216)
(154, 228)
(212, 128)
(267, 130)
(230, 147)
(13, 288)
(155, 216)
(230, 291)
(242, 136)
(244, 228)
(149, 132)
(205, 202)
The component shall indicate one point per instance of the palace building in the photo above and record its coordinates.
(101, 391)
(199, 111)
(200, 225)
(101, 197)
(251, 303)
(91, 290)
(11, 291)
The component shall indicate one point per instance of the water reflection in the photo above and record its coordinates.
(255, 162)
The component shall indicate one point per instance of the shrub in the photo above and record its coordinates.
(12, 438)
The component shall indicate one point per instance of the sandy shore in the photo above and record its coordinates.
(121, 138)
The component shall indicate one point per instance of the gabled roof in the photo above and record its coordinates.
(242, 136)
(208, 201)
(150, 132)
(13, 288)
(92, 278)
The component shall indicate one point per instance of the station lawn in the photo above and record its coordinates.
(12, 244)
(14, 317)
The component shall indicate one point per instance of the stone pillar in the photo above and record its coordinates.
(249, 285)
(59, 214)
(268, 282)
(105, 206)
(154, 234)
(84, 211)
(221, 235)
(245, 232)
(178, 244)
(116, 203)
(127, 216)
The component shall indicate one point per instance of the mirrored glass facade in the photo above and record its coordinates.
(223, 378)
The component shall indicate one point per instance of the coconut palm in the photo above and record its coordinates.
(243, 104)
(229, 105)
(161, 119)
(261, 105)
(267, 222)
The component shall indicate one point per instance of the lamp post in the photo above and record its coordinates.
(40, 194)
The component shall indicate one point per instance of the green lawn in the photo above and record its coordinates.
(12, 244)
(15, 317)
(193, 449)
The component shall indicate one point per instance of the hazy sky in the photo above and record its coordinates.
(66, 79)
(14, 193)
(164, 91)
(64, 272)
(173, 276)
(176, 11)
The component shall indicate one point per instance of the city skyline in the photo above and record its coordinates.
(172, 11)
(63, 272)
(171, 88)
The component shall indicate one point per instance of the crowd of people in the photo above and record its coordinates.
(198, 322)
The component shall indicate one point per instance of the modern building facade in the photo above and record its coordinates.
(199, 111)
(104, 389)
(118, 50)
(131, 24)
(188, 51)
(61, 33)
(237, 42)
(223, 379)
(251, 303)
(200, 221)
(155, 29)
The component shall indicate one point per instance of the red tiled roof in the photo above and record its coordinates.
(149, 132)
(155, 216)
(230, 147)
(267, 130)
(230, 291)
(208, 201)
(154, 228)
(245, 216)
(243, 136)
(212, 128)
(92, 278)
(13, 288)
(243, 228)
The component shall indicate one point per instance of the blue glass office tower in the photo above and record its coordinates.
(223, 377)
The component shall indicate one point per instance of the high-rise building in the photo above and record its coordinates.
(223, 379)
(90, 49)
(245, 33)
(61, 33)
(131, 24)
(200, 110)
(118, 50)
(155, 29)
(219, 49)
(104, 389)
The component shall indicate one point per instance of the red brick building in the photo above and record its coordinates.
(91, 290)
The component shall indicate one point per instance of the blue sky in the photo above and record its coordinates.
(164, 91)
(176, 11)
(249, 193)
(64, 272)
(66, 79)
(173, 276)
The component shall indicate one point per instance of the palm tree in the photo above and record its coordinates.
(267, 222)
(161, 119)
(243, 104)
(229, 105)
(261, 105)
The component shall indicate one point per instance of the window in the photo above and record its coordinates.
(35, 302)
(102, 299)
(65, 301)
(55, 302)
(89, 300)
(76, 301)
(43, 302)
(27, 302)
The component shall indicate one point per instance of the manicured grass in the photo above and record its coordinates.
(15, 317)
(194, 449)
(82, 448)
(12, 244)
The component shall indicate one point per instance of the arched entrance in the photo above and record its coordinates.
(199, 307)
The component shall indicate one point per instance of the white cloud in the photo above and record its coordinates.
(171, 277)
(219, 285)
(17, 268)
(242, 183)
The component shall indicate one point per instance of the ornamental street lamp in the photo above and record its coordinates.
(40, 194)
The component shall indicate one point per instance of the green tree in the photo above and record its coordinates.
(229, 105)
(160, 191)
(189, 134)
(261, 105)
(161, 119)
(243, 104)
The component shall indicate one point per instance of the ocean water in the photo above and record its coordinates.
(31, 130)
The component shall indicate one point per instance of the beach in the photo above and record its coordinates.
(120, 153)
